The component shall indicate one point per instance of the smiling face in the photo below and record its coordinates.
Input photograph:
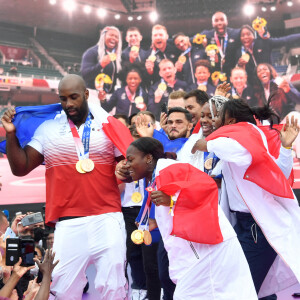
(178, 126)
(133, 38)
(206, 121)
(111, 39)
(159, 38)
(219, 22)
(202, 74)
(238, 79)
(194, 108)
(167, 71)
(263, 74)
(138, 167)
(133, 80)
(182, 42)
(247, 37)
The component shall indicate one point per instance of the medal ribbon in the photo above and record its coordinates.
(144, 222)
(186, 51)
(82, 146)
(223, 46)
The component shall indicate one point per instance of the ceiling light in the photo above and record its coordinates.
(87, 9)
(248, 9)
(130, 18)
(69, 5)
(139, 18)
(153, 16)
(117, 16)
(263, 9)
(289, 3)
(101, 12)
(273, 8)
(52, 2)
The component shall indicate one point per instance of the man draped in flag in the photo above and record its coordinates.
(82, 196)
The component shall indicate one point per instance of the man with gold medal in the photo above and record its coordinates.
(82, 196)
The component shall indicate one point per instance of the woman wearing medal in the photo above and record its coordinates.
(201, 270)
(131, 98)
(105, 57)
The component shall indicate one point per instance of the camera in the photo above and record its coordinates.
(20, 247)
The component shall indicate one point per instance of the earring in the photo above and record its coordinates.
(149, 162)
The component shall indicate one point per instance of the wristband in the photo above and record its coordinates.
(171, 207)
(289, 148)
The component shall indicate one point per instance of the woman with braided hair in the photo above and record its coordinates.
(259, 194)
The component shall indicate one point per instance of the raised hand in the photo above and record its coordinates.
(7, 120)
(163, 121)
(223, 89)
(144, 128)
(289, 132)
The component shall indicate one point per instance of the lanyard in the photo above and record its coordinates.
(221, 46)
(186, 51)
(82, 146)
(144, 221)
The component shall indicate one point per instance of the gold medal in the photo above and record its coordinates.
(137, 236)
(147, 238)
(135, 49)
(139, 100)
(246, 57)
(162, 86)
(136, 197)
(182, 59)
(87, 165)
(152, 58)
(78, 167)
(202, 87)
(208, 164)
(112, 56)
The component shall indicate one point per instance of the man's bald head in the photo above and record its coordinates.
(74, 80)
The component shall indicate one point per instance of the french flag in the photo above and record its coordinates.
(29, 118)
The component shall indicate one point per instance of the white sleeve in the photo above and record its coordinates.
(117, 152)
(229, 150)
(285, 161)
(37, 141)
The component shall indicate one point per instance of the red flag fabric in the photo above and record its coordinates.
(196, 210)
(263, 171)
(118, 133)
(197, 128)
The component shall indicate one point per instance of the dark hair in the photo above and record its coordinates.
(133, 29)
(149, 145)
(132, 67)
(188, 116)
(176, 35)
(130, 118)
(203, 63)
(268, 66)
(121, 116)
(133, 131)
(241, 111)
(201, 96)
(249, 28)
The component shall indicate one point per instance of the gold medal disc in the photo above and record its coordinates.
(139, 100)
(152, 58)
(246, 57)
(208, 164)
(135, 49)
(202, 87)
(87, 165)
(162, 86)
(137, 236)
(182, 59)
(136, 197)
(78, 167)
(147, 237)
(112, 56)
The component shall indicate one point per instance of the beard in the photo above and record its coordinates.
(179, 135)
(81, 112)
